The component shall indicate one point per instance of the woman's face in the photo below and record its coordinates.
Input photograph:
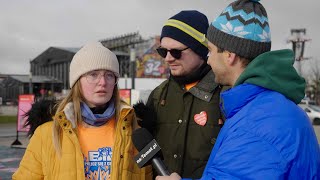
(97, 87)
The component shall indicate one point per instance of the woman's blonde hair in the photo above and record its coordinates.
(75, 96)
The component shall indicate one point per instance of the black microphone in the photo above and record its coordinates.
(148, 149)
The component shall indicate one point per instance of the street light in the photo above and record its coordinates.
(30, 83)
(133, 66)
(298, 44)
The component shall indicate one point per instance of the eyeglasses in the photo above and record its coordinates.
(176, 53)
(93, 77)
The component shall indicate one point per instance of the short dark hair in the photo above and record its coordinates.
(245, 61)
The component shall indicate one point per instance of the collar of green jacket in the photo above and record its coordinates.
(274, 70)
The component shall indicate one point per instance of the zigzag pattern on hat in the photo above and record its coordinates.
(236, 28)
(244, 17)
(242, 28)
(246, 9)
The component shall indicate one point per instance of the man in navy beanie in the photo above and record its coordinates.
(187, 117)
(266, 135)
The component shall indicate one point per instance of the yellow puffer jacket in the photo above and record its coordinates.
(40, 160)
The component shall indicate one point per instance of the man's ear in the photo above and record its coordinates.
(231, 57)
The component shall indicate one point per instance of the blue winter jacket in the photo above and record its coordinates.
(265, 136)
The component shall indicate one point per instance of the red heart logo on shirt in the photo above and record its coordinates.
(201, 118)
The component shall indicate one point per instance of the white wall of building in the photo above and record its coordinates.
(140, 83)
(143, 87)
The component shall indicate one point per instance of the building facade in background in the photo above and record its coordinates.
(49, 71)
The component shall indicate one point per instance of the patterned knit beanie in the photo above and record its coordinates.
(189, 28)
(242, 28)
(92, 56)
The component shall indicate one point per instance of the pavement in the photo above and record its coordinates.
(10, 156)
(317, 130)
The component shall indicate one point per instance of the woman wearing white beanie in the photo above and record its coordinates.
(90, 135)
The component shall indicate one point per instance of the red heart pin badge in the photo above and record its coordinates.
(201, 118)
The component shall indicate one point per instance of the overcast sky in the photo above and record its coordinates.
(29, 27)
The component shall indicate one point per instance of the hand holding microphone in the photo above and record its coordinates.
(173, 176)
(149, 150)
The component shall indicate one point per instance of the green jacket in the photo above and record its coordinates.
(185, 145)
(274, 70)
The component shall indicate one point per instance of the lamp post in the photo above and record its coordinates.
(298, 44)
(125, 81)
(133, 66)
(30, 79)
(30, 83)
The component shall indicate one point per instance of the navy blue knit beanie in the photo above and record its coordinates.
(242, 28)
(189, 28)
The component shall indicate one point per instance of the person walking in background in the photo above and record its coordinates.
(89, 137)
(265, 135)
(187, 116)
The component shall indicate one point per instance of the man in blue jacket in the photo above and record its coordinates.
(265, 135)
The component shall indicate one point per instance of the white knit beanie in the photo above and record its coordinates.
(92, 56)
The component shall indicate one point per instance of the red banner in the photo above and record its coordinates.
(24, 105)
(125, 94)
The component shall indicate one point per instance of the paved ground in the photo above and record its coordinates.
(10, 156)
(317, 130)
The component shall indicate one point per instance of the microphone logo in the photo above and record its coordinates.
(147, 153)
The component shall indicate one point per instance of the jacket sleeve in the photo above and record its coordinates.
(245, 156)
(31, 163)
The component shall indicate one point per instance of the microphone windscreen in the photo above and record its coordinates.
(141, 138)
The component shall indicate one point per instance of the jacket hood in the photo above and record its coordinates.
(274, 70)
